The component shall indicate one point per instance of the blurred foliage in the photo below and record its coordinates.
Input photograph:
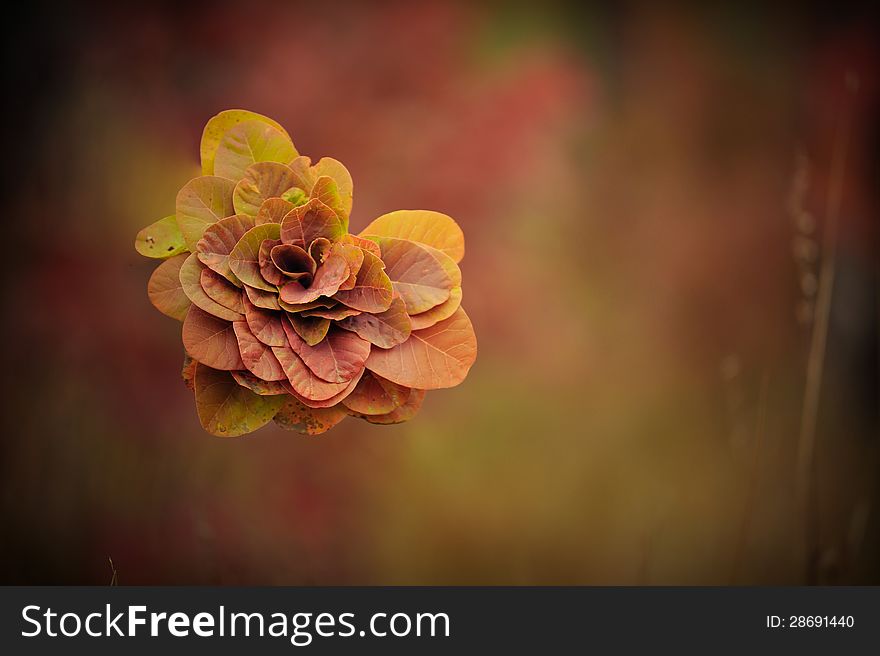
(622, 180)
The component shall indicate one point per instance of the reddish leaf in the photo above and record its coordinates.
(305, 223)
(218, 241)
(366, 244)
(211, 341)
(293, 262)
(335, 313)
(376, 396)
(404, 413)
(261, 181)
(227, 409)
(265, 325)
(337, 358)
(165, 291)
(327, 279)
(259, 386)
(296, 416)
(424, 226)
(244, 260)
(311, 329)
(423, 276)
(307, 386)
(201, 202)
(301, 307)
(190, 282)
(257, 357)
(273, 210)
(320, 249)
(439, 356)
(268, 270)
(222, 291)
(372, 291)
(386, 329)
(439, 312)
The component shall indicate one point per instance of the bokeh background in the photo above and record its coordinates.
(645, 198)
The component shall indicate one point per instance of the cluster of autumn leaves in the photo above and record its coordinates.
(288, 316)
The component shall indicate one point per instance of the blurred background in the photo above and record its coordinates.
(672, 241)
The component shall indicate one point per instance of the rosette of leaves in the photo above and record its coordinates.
(286, 314)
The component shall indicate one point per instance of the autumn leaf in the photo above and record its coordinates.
(219, 125)
(248, 143)
(190, 276)
(201, 202)
(165, 291)
(227, 409)
(296, 416)
(211, 340)
(436, 357)
(385, 329)
(422, 275)
(161, 239)
(423, 226)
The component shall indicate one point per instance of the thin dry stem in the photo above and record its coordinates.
(806, 446)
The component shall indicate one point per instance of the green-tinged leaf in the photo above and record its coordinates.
(257, 357)
(165, 291)
(303, 172)
(244, 259)
(422, 275)
(305, 223)
(201, 202)
(218, 241)
(424, 226)
(311, 329)
(295, 196)
(191, 282)
(313, 391)
(339, 357)
(220, 290)
(385, 329)
(261, 181)
(226, 409)
(372, 291)
(327, 166)
(259, 386)
(404, 413)
(211, 341)
(296, 416)
(439, 356)
(327, 191)
(439, 312)
(161, 239)
(376, 396)
(273, 210)
(219, 125)
(248, 143)
(265, 325)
